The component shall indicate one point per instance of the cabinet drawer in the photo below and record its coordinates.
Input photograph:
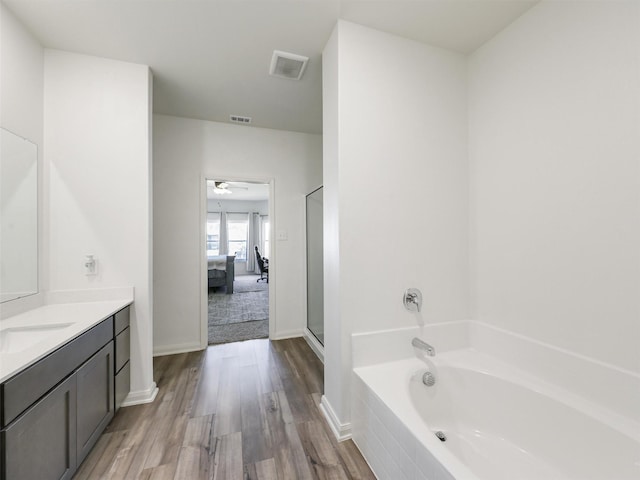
(123, 379)
(22, 390)
(121, 320)
(41, 443)
(123, 343)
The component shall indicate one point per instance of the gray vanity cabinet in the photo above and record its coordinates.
(53, 412)
(95, 407)
(41, 443)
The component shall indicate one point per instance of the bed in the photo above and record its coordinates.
(221, 271)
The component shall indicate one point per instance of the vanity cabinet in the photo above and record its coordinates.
(23, 389)
(53, 412)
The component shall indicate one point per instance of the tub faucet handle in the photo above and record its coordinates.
(412, 299)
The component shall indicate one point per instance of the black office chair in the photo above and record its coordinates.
(263, 264)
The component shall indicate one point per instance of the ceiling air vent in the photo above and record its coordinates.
(239, 119)
(287, 65)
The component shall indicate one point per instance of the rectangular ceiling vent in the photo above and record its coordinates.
(287, 65)
(240, 119)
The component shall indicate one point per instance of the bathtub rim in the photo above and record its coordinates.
(618, 389)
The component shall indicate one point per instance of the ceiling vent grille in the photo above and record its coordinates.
(287, 65)
(240, 119)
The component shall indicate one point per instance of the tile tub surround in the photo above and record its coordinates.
(390, 448)
(81, 315)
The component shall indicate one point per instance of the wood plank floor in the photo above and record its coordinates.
(246, 411)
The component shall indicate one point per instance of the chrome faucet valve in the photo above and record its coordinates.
(412, 299)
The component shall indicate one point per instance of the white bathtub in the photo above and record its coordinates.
(500, 423)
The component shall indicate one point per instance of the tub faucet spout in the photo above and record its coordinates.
(424, 346)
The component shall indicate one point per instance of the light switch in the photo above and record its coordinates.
(282, 235)
(90, 265)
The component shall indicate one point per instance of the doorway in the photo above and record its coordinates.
(238, 256)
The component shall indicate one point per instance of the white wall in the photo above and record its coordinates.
(401, 127)
(186, 152)
(555, 147)
(98, 158)
(528, 220)
(337, 330)
(21, 105)
(21, 79)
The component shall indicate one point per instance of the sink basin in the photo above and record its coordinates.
(17, 339)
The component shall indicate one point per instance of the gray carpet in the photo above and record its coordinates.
(242, 315)
(248, 283)
(237, 332)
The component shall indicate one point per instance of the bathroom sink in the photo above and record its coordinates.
(16, 339)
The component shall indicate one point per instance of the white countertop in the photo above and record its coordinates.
(81, 315)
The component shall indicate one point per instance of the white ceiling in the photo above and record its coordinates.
(211, 58)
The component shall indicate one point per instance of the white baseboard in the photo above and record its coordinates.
(175, 349)
(288, 334)
(342, 431)
(315, 345)
(141, 396)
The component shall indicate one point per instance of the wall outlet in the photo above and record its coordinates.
(282, 235)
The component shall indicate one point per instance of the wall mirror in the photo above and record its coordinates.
(18, 217)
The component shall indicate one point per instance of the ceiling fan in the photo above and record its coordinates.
(225, 188)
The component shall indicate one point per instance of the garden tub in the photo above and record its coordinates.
(484, 420)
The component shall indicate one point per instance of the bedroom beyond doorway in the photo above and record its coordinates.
(243, 315)
(238, 234)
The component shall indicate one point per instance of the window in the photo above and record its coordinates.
(238, 234)
(264, 221)
(213, 234)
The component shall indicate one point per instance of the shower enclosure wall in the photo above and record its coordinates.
(315, 289)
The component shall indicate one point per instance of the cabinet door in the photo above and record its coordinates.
(95, 399)
(41, 443)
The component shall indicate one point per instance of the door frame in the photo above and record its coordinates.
(273, 264)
